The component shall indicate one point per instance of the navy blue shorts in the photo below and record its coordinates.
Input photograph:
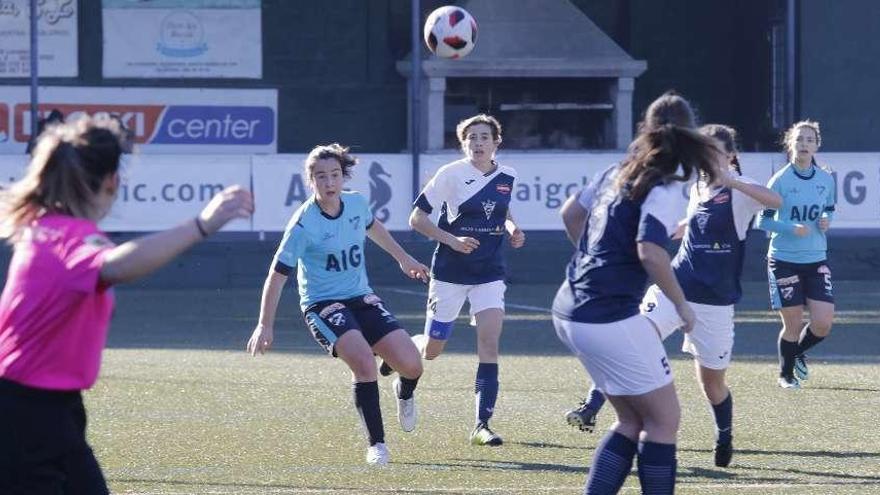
(328, 320)
(791, 284)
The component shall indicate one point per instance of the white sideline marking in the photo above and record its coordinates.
(524, 307)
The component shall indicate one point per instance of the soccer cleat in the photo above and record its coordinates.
(482, 435)
(384, 369)
(789, 382)
(407, 414)
(800, 367)
(377, 454)
(723, 453)
(582, 417)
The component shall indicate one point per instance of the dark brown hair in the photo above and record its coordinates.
(333, 150)
(727, 137)
(492, 122)
(68, 165)
(669, 108)
(788, 137)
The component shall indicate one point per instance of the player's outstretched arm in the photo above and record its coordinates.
(408, 265)
(142, 256)
(264, 333)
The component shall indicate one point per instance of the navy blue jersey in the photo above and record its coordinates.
(709, 261)
(472, 204)
(605, 280)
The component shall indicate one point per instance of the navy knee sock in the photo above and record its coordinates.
(808, 339)
(657, 466)
(723, 412)
(486, 388)
(611, 464)
(787, 352)
(366, 400)
(407, 386)
(595, 398)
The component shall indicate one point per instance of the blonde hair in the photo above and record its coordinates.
(66, 170)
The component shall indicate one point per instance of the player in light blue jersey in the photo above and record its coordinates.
(324, 240)
(797, 260)
(623, 221)
(473, 195)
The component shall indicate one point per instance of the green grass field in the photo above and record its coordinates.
(181, 409)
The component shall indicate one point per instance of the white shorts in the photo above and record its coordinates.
(623, 358)
(711, 340)
(445, 301)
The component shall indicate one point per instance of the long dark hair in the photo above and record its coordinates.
(666, 142)
(69, 163)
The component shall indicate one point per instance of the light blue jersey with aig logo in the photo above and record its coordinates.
(328, 252)
(807, 196)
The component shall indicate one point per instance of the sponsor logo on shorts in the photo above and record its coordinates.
(337, 319)
(788, 280)
(372, 299)
(332, 308)
(824, 269)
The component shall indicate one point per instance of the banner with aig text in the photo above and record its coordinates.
(160, 190)
(163, 120)
(182, 38)
(56, 38)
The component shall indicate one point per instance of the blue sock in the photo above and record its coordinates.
(723, 412)
(657, 468)
(486, 388)
(611, 464)
(366, 400)
(595, 398)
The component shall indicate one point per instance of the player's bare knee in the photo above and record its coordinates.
(821, 327)
(411, 368)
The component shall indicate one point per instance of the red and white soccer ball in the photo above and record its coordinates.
(450, 32)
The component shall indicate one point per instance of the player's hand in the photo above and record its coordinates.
(688, 318)
(413, 269)
(464, 245)
(261, 340)
(230, 203)
(517, 238)
(801, 230)
(824, 223)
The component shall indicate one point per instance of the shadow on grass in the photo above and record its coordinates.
(846, 389)
(798, 453)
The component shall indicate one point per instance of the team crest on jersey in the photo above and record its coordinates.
(355, 221)
(503, 188)
(488, 208)
(820, 189)
(702, 221)
(721, 198)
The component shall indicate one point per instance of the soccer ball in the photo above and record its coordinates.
(450, 32)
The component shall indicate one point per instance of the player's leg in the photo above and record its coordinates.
(399, 351)
(444, 304)
(614, 454)
(584, 416)
(83, 473)
(721, 400)
(353, 348)
(660, 413)
(820, 302)
(787, 297)
(487, 308)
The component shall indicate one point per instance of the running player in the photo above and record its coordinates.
(56, 305)
(632, 208)
(473, 195)
(797, 259)
(324, 240)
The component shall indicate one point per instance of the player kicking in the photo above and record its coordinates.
(324, 240)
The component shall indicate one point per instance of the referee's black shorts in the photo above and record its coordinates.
(43, 447)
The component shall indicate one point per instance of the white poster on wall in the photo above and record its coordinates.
(160, 191)
(163, 120)
(182, 38)
(280, 187)
(56, 40)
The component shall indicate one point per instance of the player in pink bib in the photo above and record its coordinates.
(55, 308)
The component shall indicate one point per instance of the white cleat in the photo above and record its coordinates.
(407, 414)
(790, 383)
(377, 454)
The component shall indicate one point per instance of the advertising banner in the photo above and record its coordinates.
(56, 39)
(280, 187)
(164, 120)
(182, 39)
